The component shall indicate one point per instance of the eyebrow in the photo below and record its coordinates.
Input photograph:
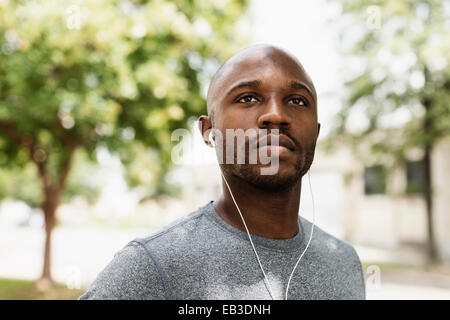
(246, 84)
(256, 83)
(300, 86)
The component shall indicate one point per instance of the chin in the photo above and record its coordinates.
(284, 179)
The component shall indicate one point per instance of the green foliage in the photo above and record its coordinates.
(121, 74)
(400, 55)
(21, 184)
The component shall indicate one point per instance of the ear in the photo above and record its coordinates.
(205, 126)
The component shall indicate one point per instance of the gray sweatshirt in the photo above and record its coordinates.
(201, 256)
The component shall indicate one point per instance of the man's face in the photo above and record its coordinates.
(268, 90)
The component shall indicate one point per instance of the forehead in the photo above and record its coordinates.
(264, 66)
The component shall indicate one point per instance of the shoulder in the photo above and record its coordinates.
(139, 270)
(131, 274)
(339, 262)
(327, 243)
(180, 236)
(333, 246)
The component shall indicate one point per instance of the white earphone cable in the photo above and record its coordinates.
(310, 237)
(253, 246)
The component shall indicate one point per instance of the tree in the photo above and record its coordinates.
(400, 70)
(119, 74)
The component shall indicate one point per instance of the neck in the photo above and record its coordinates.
(267, 213)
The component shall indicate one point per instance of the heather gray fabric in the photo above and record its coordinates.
(200, 256)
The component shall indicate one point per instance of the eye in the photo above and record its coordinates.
(298, 101)
(247, 98)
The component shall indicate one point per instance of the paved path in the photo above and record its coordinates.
(78, 255)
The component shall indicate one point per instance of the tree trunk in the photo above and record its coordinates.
(427, 170)
(49, 207)
(49, 213)
(52, 194)
(432, 251)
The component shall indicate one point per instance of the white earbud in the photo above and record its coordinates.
(211, 140)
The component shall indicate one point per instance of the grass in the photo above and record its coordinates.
(12, 289)
(392, 266)
(386, 266)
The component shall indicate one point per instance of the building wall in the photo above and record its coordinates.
(393, 219)
(383, 219)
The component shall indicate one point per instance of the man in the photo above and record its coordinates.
(209, 254)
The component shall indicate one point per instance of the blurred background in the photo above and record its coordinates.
(91, 92)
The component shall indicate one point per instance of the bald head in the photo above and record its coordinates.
(253, 55)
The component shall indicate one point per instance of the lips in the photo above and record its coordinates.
(284, 141)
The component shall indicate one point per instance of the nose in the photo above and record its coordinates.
(274, 115)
